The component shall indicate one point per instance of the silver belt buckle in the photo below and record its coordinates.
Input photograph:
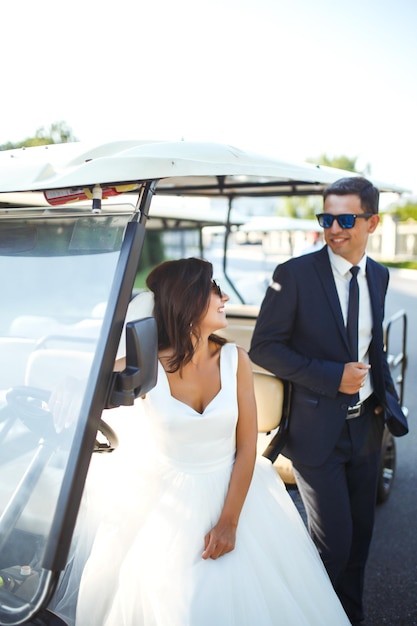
(354, 411)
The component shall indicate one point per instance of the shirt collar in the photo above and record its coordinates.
(342, 266)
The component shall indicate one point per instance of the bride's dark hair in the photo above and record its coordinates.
(181, 290)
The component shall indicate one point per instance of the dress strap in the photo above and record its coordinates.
(229, 357)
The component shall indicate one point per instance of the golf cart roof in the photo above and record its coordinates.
(166, 214)
(182, 168)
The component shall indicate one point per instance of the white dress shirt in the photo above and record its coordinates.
(342, 275)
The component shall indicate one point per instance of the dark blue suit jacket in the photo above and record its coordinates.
(300, 337)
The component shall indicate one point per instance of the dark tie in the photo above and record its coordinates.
(353, 313)
(352, 321)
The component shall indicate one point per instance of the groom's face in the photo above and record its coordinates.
(350, 243)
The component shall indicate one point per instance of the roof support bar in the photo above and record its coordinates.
(225, 246)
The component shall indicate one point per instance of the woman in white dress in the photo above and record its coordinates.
(209, 535)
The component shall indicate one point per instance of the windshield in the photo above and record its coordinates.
(57, 272)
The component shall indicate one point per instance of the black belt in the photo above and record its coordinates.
(361, 408)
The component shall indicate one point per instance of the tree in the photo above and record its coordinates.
(58, 132)
(342, 162)
(308, 206)
(304, 207)
(405, 212)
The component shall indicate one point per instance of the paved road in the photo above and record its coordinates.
(391, 579)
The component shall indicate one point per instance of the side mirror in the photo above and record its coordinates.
(141, 370)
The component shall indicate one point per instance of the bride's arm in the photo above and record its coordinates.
(221, 538)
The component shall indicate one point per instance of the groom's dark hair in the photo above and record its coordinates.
(357, 186)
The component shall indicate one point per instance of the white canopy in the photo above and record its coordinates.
(186, 168)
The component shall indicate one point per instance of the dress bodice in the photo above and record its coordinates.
(186, 438)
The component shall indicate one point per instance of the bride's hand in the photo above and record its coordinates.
(219, 540)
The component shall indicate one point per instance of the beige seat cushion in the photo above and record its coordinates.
(269, 394)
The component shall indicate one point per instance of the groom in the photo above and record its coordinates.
(341, 393)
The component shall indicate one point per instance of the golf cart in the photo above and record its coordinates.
(68, 260)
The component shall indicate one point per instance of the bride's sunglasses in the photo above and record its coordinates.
(345, 220)
(216, 288)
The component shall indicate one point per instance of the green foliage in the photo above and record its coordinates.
(152, 254)
(58, 132)
(153, 249)
(304, 207)
(409, 265)
(407, 211)
(140, 279)
(342, 162)
(307, 206)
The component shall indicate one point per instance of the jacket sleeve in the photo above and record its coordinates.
(284, 339)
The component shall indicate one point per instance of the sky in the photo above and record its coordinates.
(289, 78)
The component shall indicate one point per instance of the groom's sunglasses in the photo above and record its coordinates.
(345, 220)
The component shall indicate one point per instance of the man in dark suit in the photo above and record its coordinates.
(340, 393)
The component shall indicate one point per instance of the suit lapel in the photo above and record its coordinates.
(325, 275)
(376, 288)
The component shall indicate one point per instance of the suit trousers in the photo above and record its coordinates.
(339, 497)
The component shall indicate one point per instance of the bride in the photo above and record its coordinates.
(208, 535)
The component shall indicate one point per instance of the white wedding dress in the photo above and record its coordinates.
(146, 569)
